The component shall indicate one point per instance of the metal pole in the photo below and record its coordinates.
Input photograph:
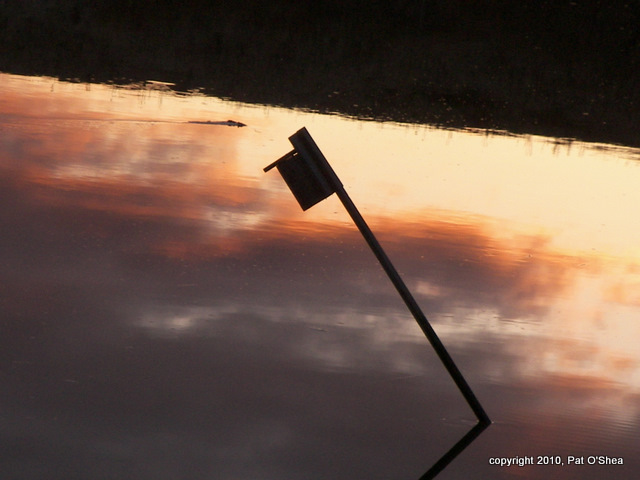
(413, 306)
(309, 152)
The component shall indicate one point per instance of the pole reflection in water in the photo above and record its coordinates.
(169, 312)
(456, 450)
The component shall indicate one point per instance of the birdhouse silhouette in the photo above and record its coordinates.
(306, 171)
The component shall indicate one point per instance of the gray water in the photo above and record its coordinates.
(169, 311)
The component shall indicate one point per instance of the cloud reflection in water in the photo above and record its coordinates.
(168, 312)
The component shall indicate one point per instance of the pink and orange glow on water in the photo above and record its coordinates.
(523, 251)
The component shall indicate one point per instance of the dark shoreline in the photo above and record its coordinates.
(555, 68)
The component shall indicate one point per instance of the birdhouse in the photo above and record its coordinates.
(306, 171)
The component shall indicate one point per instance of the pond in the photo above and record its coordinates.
(169, 311)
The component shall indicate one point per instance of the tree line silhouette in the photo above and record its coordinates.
(562, 68)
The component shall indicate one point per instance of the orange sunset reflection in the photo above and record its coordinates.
(512, 242)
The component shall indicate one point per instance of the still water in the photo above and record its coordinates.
(169, 311)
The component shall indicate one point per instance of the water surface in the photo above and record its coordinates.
(170, 312)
